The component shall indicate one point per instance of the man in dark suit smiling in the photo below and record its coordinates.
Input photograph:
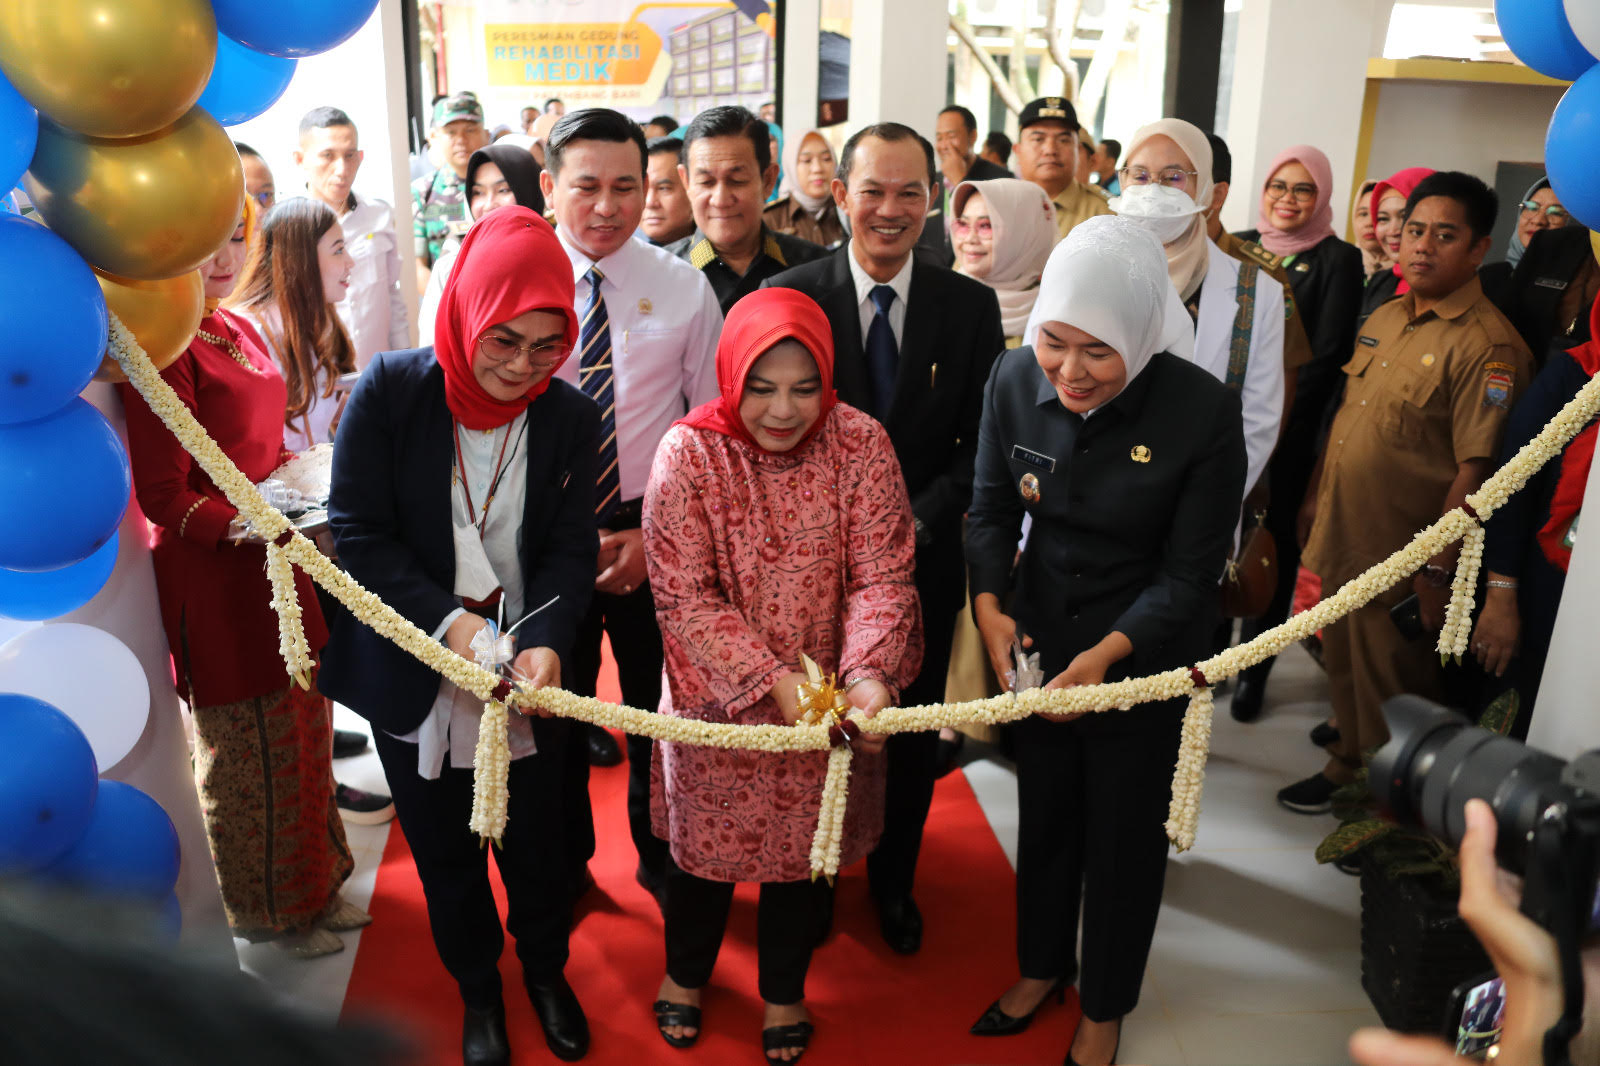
(913, 346)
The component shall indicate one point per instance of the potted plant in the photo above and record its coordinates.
(1415, 949)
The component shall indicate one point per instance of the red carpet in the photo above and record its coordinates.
(869, 1004)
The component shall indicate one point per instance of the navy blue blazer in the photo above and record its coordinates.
(389, 511)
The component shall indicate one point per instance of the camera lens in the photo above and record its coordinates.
(1435, 761)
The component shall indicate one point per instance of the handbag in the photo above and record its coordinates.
(1252, 574)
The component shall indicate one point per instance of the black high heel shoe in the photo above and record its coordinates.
(996, 1022)
(1070, 1061)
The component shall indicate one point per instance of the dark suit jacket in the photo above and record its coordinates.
(389, 511)
(952, 336)
(1133, 511)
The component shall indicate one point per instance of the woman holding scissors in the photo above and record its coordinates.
(463, 491)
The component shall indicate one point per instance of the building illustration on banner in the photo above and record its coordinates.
(644, 59)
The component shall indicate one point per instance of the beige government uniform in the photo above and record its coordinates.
(1076, 203)
(1423, 393)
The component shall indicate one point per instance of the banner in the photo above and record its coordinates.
(674, 58)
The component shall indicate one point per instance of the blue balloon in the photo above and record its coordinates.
(244, 82)
(1540, 35)
(48, 781)
(52, 321)
(291, 27)
(34, 596)
(65, 480)
(19, 134)
(1572, 149)
(129, 848)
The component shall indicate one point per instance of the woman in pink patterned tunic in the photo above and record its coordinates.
(776, 523)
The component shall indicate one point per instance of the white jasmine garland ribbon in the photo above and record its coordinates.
(1121, 695)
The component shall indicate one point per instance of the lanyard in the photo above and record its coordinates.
(494, 480)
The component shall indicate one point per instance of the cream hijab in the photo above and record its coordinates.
(1109, 278)
(1024, 224)
(1187, 255)
(791, 168)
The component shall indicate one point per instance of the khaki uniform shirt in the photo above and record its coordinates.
(1076, 203)
(1296, 343)
(1423, 393)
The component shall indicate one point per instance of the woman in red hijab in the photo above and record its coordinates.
(1388, 201)
(776, 524)
(463, 495)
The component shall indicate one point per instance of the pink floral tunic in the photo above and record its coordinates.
(755, 558)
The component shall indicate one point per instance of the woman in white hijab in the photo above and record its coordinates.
(1130, 461)
(1002, 231)
(1237, 316)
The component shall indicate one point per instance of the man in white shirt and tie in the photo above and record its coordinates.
(373, 310)
(647, 345)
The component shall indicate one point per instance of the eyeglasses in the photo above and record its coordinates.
(498, 349)
(1554, 212)
(1303, 193)
(1171, 177)
(960, 227)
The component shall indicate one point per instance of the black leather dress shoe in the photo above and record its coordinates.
(483, 1037)
(566, 1030)
(1247, 698)
(901, 924)
(603, 747)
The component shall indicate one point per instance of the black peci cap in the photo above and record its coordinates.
(1048, 109)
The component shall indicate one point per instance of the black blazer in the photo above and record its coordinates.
(1117, 543)
(952, 336)
(389, 511)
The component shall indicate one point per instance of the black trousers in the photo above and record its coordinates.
(454, 868)
(636, 643)
(786, 920)
(1092, 799)
(911, 766)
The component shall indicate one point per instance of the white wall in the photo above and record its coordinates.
(1459, 126)
(898, 52)
(1299, 76)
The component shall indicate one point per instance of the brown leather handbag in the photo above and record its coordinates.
(1252, 574)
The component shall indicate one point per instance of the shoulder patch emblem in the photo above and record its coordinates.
(1498, 379)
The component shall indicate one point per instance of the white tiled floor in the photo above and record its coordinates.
(1256, 954)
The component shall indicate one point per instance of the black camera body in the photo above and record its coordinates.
(1547, 810)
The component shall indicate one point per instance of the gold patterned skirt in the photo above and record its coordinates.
(264, 771)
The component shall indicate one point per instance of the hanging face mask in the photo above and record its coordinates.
(1164, 211)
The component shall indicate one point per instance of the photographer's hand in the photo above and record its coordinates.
(1523, 954)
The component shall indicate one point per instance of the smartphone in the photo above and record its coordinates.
(1407, 617)
(1477, 1011)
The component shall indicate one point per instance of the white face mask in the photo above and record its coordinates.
(1164, 211)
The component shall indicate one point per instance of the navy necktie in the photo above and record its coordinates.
(883, 352)
(595, 378)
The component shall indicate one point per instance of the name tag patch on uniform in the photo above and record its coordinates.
(1558, 284)
(1033, 458)
(1497, 381)
(1370, 342)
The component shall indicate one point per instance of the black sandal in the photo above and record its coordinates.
(779, 1037)
(681, 1015)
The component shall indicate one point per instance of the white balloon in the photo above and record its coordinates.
(1584, 18)
(87, 674)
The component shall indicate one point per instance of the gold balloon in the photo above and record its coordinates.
(162, 315)
(144, 207)
(109, 68)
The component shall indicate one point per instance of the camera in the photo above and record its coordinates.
(1547, 810)
(1547, 814)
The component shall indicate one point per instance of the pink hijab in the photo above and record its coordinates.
(1317, 228)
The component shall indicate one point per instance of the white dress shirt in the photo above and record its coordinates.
(665, 321)
(373, 310)
(1262, 394)
(451, 729)
(313, 428)
(428, 307)
(900, 283)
